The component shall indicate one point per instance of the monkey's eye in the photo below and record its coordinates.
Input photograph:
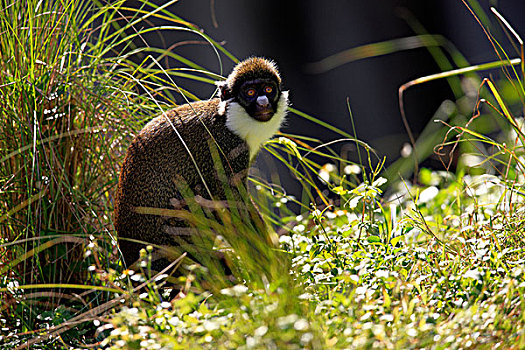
(250, 92)
(268, 89)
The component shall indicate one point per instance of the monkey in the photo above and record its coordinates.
(180, 148)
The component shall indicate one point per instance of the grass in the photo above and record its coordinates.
(375, 260)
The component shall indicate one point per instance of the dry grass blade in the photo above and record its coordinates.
(442, 75)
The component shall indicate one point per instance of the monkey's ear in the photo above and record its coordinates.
(224, 90)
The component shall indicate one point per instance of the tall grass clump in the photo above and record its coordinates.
(60, 115)
(74, 88)
(63, 112)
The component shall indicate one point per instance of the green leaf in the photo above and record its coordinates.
(373, 239)
(425, 176)
(339, 190)
(396, 240)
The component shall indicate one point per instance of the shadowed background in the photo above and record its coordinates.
(298, 33)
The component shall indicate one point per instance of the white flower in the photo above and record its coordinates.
(428, 194)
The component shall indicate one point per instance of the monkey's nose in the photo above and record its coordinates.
(263, 101)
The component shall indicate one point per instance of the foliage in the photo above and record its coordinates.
(442, 268)
(447, 274)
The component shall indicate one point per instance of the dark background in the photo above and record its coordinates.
(296, 33)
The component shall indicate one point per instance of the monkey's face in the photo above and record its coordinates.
(259, 98)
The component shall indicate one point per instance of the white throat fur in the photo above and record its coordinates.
(252, 131)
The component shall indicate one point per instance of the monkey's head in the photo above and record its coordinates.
(255, 84)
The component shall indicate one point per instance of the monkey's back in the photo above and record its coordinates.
(158, 163)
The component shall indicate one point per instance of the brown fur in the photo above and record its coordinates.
(250, 69)
(158, 163)
(157, 159)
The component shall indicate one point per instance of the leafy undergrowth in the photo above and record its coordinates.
(441, 268)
